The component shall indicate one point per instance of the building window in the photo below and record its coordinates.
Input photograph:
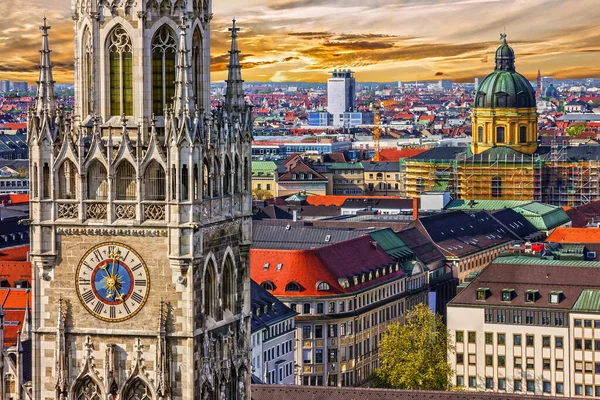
(489, 383)
(558, 342)
(342, 306)
(578, 344)
(560, 389)
(67, 180)
(489, 338)
(97, 181)
(507, 294)
(589, 390)
(501, 384)
(489, 360)
(531, 296)
(500, 134)
(306, 332)
(318, 331)
(460, 358)
(292, 287)
(163, 69)
(501, 361)
(579, 390)
(460, 380)
(546, 364)
(501, 339)
(529, 339)
(306, 308)
(320, 308)
(121, 72)
(530, 386)
(307, 356)
(482, 293)
(497, 188)
(472, 337)
(472, 381)
(517, 340)
(460, 336)
(518, 385)
(522, 134)
(518, 362)
(126, 182)
(530, 363)
(480, 133)
(154, 182)
(546, 386)
(318, 356)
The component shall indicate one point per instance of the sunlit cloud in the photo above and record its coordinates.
(383, 40)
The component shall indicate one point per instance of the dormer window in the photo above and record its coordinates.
(556, 296)
(323, 286)
(310, 176)
(301, 176)
(293, 177)
(266, 267)
(279, 266)
(507, 294)
(482, 293)
(292, 287)
(268, 286)
(531, 295)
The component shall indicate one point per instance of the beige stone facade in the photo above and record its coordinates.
(174, 188)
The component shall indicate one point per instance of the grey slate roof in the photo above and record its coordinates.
(298, 237)
(381, 166)
(276, 310)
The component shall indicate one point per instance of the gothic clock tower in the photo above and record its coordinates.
(140, 212)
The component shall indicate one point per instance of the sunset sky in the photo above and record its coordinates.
(382, 40)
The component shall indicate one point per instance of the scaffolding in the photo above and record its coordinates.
(429, 175)
(569, 182)
(508, 177)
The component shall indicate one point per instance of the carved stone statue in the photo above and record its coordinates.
(242, 386)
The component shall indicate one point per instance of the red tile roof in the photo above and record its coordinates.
(13, 199)
(14, 304)
(18, 253)
(330, 200)
(13, 271)
(396, 155)
(574, 235)
(327, 264)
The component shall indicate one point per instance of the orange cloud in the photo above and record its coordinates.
(301, 40)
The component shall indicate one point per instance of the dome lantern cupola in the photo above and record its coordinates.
(505, 56)
(504, 113)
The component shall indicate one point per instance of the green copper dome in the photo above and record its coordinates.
(505, 87)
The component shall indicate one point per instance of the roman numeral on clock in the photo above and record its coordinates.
(137, 297)
(98, 255)
(126, 307)
(88, 296)
(84, 282)
(140, 282)
(135, 268)
(98, 308)
(113, 312)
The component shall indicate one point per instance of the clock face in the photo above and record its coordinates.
(112, 282)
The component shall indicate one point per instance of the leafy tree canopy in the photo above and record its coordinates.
(413, 356)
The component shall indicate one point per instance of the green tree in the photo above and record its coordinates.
(576, 129)
(413, 356)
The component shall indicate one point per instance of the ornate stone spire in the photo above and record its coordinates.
(234, 97)
(184, 94)
(46, 100)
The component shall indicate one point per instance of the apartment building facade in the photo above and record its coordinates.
(529, 325)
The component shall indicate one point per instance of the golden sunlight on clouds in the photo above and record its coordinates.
(383, 40)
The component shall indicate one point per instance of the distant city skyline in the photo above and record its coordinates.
(302, 40)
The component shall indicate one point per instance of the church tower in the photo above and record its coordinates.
(504, 113)
(140, 212)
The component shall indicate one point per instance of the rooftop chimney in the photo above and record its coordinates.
(415, 212)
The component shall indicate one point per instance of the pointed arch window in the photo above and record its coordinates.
(138, 390)
(67, 181)
(97, 181)
(210, 291)
(229, 286)
(164, 50)
(126, 182)
(121, 72)
(86, 72)
(217, 176)
(154, 182)
(46, 188)
(236, 175)
(184, 183)
(227, 177)
(197, 66)
(205, 179)
(87, 390)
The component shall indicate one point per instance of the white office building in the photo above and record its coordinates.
(341, 92)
